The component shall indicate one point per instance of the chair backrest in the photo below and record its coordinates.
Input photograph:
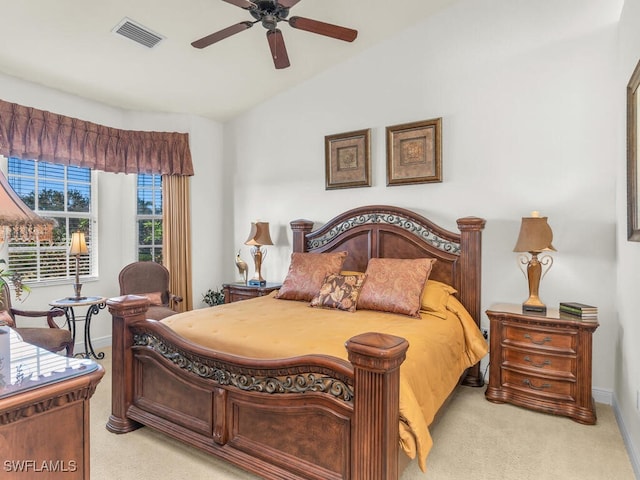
(145, 277)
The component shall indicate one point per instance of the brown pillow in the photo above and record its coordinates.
(307, 272)
(154, 297)
(339, 291)
(395, 285)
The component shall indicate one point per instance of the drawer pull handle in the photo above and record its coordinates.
(537, 342)
(528, 383)
(538, 365)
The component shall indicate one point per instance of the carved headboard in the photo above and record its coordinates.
(381, 231)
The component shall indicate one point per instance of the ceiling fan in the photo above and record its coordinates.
(269, 13)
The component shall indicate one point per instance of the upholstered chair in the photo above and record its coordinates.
(51, 337)
(151, 280)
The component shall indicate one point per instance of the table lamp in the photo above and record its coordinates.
(258, 237)
(535, 237)
(78, 247)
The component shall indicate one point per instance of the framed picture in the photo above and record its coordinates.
(414, 152)
(347, 162)
(633, 172)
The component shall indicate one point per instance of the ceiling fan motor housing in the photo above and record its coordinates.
(269, 12)
(270, 22)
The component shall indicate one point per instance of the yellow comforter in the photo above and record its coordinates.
(265, 327)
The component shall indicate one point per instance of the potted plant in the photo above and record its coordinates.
(11, 278)
(213, 297)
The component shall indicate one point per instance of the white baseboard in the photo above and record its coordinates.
(608, 397)
(602, 396)
(97, 343)
(632, 450)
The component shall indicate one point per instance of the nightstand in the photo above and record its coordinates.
(234, 292)
(541, 361)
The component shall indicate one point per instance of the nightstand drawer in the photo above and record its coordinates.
(543, 387)
(540, 339)
(237, 296)
(558, 365)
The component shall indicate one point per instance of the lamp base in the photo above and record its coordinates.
(257, 283)
(534, 308)
(533, 304)
(77, 287)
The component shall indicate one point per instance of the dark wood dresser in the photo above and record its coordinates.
(44, 411)
(234, 292)
(541, 361)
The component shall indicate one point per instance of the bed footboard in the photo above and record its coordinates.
(311, 417)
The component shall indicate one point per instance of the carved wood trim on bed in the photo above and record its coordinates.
(309, 417)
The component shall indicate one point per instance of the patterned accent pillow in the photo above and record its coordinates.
(307, 272)
(339, 291)
(435, 297)
(395, 285)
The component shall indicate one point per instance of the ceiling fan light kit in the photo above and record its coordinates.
(269, 13)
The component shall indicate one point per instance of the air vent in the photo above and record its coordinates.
(138, 33)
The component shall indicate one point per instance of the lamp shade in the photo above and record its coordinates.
(17, 221)
(78, 244)
(535, 235)
(259, 234)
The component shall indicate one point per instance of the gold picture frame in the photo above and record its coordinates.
(414, 152)
(347, 159)
(633, 172)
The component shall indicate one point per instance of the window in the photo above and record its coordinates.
(66, 194)
(149, 217)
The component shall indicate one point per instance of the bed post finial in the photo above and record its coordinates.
(376, 359)
(300, 230)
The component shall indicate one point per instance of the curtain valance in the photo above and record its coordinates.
(30, 133)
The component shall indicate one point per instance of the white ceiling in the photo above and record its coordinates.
(69, 45)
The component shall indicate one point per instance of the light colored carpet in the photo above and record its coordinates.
(474, 439)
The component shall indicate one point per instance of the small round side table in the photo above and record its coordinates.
(94, 304)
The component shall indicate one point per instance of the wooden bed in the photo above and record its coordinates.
(257, 413)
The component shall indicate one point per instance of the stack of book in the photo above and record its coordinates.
(585, 312)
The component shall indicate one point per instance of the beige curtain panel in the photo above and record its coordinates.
(30, 133)
(176, 237)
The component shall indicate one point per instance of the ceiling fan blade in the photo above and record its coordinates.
(278, 50)
(288, 3)
(221, 35)
(321, 28)
(246, 4)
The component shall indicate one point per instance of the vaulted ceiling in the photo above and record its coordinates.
(70, 45)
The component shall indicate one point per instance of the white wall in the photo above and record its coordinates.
(531, 96)
(117, 199)
(627, 358)
(524, 90)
